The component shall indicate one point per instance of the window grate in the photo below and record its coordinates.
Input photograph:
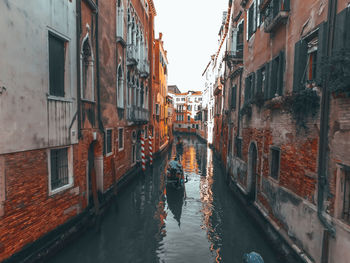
(59, 168)
(346, 197)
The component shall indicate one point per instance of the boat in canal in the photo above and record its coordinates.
(175, 174)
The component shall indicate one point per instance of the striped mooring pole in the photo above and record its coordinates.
(150, 150)
(143, 153)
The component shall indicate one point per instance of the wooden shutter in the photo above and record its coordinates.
(253, 86)
(347, 37)
(281, 63)
(267, 80)
(234, 96)
(340, 30)
(300, 61)
(258, 80)
(321, 51)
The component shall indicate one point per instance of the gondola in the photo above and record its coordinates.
(175, 177)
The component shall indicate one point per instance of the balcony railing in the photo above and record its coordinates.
(131, 55)
(234, 57)
(276, 13)
(137, 114)
(144, 69)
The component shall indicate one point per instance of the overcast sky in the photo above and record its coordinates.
(190, 32)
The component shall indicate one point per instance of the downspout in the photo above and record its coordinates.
(239, 102)
(100, 123)
(324, 126)
(78, 32)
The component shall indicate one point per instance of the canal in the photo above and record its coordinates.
(150, 222)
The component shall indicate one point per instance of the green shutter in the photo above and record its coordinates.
(300, 61)
(280, 75)
(321, 51)
(347, 38)
(258, 81)
(340, 31)
(253, 86)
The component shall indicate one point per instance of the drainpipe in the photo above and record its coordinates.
(78, 7)
(239, 102)
(100, 123)
(324, 122)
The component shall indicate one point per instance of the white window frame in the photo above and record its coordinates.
(120, 20)
(120, 90)
(121, 148)
(70, 170)
(92, 68)
(67, 71)
(112, 140)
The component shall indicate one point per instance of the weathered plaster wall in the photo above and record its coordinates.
(25, 111)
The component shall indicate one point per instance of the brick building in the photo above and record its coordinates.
(73, 110)
(284, 119)
(159, 91)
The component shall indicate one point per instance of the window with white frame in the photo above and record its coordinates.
(60, 162)
(120, 19)
(252, 20)
(120, 88)
(57, 59)
(121, 139)
(109, 142)
(87, 70)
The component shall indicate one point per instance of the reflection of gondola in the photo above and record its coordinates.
(175, 200)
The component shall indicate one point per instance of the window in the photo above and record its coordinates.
(240, 38)
(188, 118)
(109, 141)
(121, 139)
(277, 72)
(60, 169)
(57, 51)
(120, 88)
(275, 162)
(239, 147)
(87, 71)
(182, 99)
(233, 96)
(120, 19)
(251, 20)
(197, 127)
(346, 197)
(249, 88)
(261, 80)
(177, 99)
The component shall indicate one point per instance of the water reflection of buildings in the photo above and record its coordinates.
(210, 219)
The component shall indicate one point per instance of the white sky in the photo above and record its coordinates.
(190, 32)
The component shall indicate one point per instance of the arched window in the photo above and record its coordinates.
(120, 88)
(86, 70)
(142, 96)
(120, 19)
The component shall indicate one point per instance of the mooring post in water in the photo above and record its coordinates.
(150, 150)
(143, 156)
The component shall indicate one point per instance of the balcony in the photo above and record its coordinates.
(131, 55)
(144, 69)
(137, 115)
(276, 13)
(234, 57)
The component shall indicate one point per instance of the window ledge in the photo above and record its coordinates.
(121, 149)
(56, 98)
(88, 101)
(60, 189)
(109, 154)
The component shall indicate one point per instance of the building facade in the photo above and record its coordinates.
(285, 121)
(75, 100)
(187, 105)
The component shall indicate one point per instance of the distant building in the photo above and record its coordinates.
(173, 89)
(187, 105)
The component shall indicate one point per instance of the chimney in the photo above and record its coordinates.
(160, 35)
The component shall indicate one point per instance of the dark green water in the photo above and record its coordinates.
(153, 223)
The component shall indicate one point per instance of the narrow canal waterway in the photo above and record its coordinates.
(153, 223)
